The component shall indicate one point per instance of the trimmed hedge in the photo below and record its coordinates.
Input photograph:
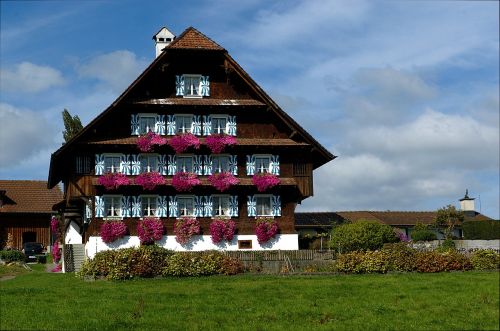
(485, 259)
(483, 230)
(361, 236)
(423, 235)
(12, 255)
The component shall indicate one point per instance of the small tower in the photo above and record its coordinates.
(162, 38)
(467, 204)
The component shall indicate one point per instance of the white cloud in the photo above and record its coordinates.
(23, 134)
(29, 77)
(117, 69)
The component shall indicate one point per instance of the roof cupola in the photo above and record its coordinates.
(162, 39)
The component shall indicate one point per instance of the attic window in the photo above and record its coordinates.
(160, 39)
(192, 86)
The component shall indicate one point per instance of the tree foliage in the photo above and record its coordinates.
(362, 235)
(421, 232)
(447, 218)
(72, 125)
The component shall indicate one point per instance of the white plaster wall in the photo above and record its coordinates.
(198, 243)
(73, 234)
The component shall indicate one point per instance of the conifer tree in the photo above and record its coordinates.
(72, 125)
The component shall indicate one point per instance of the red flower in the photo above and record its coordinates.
(182, 142)
(146, 142)
(111, 231)
(266, 229)
(221, 229)
(113, 180)
(223, 181)
(265, 181)
(149, 180)
(149, 230)
(218, 142)
(184, 181)
(185, 228)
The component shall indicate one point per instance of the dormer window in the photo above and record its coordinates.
(192, 86)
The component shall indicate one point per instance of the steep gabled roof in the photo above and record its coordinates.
(192, 39)
(29, 196)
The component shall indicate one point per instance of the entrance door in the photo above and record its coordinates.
(29, 237)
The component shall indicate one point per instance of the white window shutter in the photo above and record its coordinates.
(171, 165)
(160, 125)
(196, 125)
(125, 164)
(250, 165)
(136, 206)
(207, 125)
(171, 125)
(99, 206)
(251, 206)
(233, 165)
(197, 165)
(125, 206)
(276, 205)
(173, 211)
(162, 165)
(207, 165)
(99, 164)
(198, 206)
(135, 165)
(88, 211)
(231, 125)
(134, 124)
(275, 165)
(179, 85)
(205, 86)
(233, 206)
(161, 206)
(207, 206)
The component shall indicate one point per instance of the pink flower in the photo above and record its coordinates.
(57, 268)
(218, 142)
(113, 180)
(149, 230)
(56, 254)
(223, 181)
(265, 181)
(221, 229)
(266, 229)
(54, 225)
(184, 181)
(149, 180)
(111, 231)
(146, 142)
(185, 228)
(182, 142)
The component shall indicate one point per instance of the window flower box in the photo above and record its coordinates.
(222, 229)
(223, 181)
(145, 143)
(149, 230)
(149, 180)
(265, 229)
(218, 142)
(182, 142)
(111, 231)
(185, 228)
(184, 181)
(112, 181)
(265, 181)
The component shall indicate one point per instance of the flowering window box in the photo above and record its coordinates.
(149, 230)
(112, 181)
(265, 181)
(149, 180)
(185, 181)
(182, 142)
(111, 231)
(218, 142)
(185, 228)
(222, 229)
(223, 181)
(266, 228)
(145, 143)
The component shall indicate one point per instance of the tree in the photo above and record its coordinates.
(72, 125)
(421, 232)
(447, 218)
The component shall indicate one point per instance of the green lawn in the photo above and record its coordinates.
(446, 301)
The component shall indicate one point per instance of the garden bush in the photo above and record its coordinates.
(12, 255)
(446, 245)
(201, 264)
(485, 230)
(401, 256)
(363, 235)
(421, 232)
(435, 261)
(362, 262)
(485, 259)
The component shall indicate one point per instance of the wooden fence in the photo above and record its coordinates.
(301, 255)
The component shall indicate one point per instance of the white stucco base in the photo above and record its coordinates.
(198, 243)
(73, 235)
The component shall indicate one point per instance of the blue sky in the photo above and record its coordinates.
(405, 93)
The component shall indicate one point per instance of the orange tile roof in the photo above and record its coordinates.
(194, 39)
(29, 196)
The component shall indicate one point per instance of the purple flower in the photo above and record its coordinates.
(149, 180)
(149, 230)
(221, 229)
(182, 142)
(54, 225)
(223, 181)
(266, 229)
(146, 142)
(185, 228)
(113, 180)
(218, 142)
(111, 231)
(265, 181)
(56, 254)
(184, 181)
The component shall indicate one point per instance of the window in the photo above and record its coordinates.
(219, 124)
(112, 206)
(185, 206)
(148, 163)
(192, 86)
(112, 163)
(244, 244)
(148, 205)
(146, 124)
(220, 205)
(184, 164)
(220, 163)
(262, 164)
(183, 123)
(263, 205)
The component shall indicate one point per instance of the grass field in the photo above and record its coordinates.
(446, 301)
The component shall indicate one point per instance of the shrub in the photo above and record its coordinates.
(485, 230)
(363, 262)
(401, 256)
(446, 245)
(423, 235)
(485, 259)
(265, 229)
(113, 230)
(363, 235)
(12, 256)
(185, 228)
(149, 230)
(201, 264)
(436, 262)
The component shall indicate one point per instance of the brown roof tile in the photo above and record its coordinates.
(200, 102)
(194, 39)
(29, 196)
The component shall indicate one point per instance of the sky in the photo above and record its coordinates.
(405, 93)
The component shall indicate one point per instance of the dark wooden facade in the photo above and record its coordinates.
(262, 128)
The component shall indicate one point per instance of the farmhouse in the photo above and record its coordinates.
(26, 210)
(193, 88)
